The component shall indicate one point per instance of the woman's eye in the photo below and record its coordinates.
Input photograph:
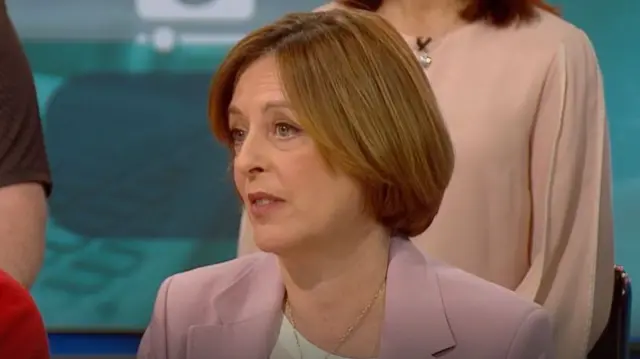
(285, 130)
(237, 135)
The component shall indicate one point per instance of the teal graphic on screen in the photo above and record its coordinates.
(142, 191)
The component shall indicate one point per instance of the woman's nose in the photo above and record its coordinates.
(250, 157)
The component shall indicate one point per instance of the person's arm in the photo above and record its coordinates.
(23, 214)
(571, 251)
(24, 171)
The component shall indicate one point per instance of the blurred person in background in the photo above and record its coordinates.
(22, 333)
(338, 170)
(24, 171)
(529, 205)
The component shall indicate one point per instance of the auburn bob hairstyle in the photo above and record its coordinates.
(497, 12)
(358, 91)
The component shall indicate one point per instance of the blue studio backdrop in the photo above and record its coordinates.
(141, 189)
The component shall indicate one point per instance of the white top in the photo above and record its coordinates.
(287, 348)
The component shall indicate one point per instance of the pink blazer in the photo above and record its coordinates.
(232, 310)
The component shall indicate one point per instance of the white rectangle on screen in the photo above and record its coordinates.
(178, 11)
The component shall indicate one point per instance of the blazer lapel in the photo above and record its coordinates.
(248, 317)
(415, 324)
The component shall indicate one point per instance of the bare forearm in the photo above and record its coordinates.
(23, 213)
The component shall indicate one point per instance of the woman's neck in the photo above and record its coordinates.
(430, 18)
(318, 281)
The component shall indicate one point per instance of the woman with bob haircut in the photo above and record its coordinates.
(529, 204)
(337, 165)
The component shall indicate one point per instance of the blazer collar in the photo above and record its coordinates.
(415, 321)
(249, 312)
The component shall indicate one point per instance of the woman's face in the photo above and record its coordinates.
(291, 195)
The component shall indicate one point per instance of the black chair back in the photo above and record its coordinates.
(614, 341)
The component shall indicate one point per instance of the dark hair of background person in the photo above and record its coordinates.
(500, 13)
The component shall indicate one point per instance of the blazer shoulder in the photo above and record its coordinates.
(456, 283)
(189, 295)
(187, 299)
(484, 314)
(206, 282)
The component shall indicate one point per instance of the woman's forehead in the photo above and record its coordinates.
(259, 85)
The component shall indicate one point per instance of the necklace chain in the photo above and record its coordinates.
(349, 330)
(422, 43)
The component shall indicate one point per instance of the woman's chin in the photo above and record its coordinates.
(274, 242)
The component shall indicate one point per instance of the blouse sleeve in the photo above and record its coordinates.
(571, 250)
(22, 151)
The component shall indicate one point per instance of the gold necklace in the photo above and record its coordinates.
(349, 330)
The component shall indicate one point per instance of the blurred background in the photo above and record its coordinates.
(141, 189)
